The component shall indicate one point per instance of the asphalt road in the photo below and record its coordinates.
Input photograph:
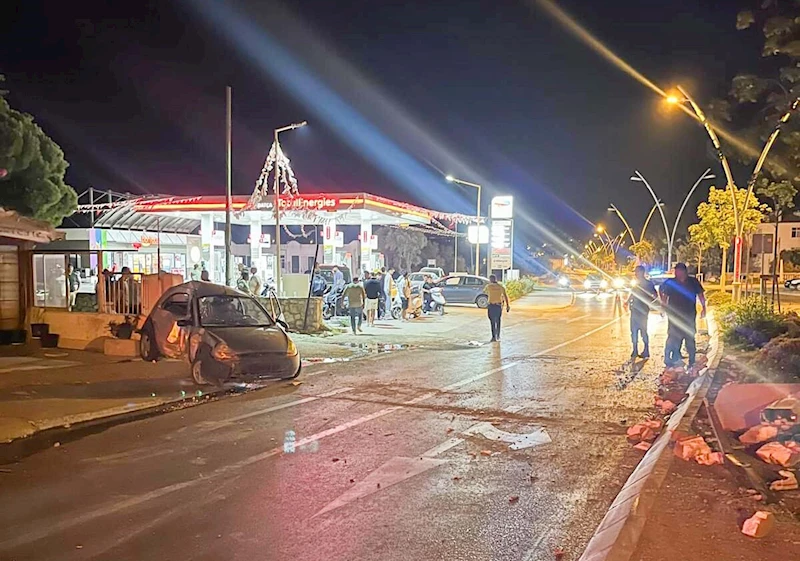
(365, 460)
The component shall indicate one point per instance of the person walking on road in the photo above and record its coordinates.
(372, 290)
(679, 297)
(389, 289)
(405, 296)
(497, 298)
(640, 301)
(356, 296)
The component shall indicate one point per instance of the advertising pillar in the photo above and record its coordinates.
(501, 256)
(365, 241)
(207, 240)
(329, 242)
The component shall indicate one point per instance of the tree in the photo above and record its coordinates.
(782, 194)
(717, 225)
(698, 254)
(32, 182)
(402, 247)
(644, 251)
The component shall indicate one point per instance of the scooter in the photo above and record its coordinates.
(437, 301)
(333, 303)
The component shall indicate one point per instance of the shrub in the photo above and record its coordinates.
(718, 298)
(750, 322)
(782, 354)
(519, 288)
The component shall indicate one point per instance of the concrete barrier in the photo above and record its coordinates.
(77, 330)
(294, 312)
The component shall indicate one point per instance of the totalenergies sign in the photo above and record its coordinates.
(502, 207)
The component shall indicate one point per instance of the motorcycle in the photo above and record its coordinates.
(333, 303)
(437, 301)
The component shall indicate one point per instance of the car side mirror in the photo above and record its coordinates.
(186, 322)
(283, 324)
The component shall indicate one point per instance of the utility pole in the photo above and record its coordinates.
(228, 195)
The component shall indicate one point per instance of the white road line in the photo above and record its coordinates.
(573, 320)
(47, 528)
(279, 407)
(314, 373)
(442, 448)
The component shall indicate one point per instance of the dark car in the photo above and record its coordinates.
(792, 284)
(464, 289)
(221, 332)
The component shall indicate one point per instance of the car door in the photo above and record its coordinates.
(165, 319)
(473, 287)
(453, 289)
(274, 308)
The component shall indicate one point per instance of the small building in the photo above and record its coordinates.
(18, 235)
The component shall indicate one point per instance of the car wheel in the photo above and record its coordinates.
(148, 349)
(396, 313)
(482, 301)
(295, 375)
(327, 312)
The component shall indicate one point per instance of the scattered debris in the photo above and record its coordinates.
(714, 458)
(759, 433)
(334, 459)
(779, 454)
(514, 499)
(449, 430)
(56, 444)
(788, 483)
(297, 382)
(759, 525)
(559, 553)
(456, 478)
(690, 448)
(486, 452)
(352, 481)
(644, 446)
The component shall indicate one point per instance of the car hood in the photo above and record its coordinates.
(244, 340)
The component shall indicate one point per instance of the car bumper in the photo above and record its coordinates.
(266, 365)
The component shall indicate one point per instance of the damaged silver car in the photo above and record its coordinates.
(222, 333)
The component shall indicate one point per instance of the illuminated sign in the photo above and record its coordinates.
(502, 207)
(500, 257)
(477, 234)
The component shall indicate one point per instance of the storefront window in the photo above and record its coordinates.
(50, 281)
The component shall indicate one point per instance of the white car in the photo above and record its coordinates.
(417, 279)
(435, 272)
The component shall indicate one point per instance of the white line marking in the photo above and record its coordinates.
(47, 528)
(573, 320)
(315, 373)
(279, 407)
(442, 448)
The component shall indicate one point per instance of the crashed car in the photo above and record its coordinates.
(221, 332)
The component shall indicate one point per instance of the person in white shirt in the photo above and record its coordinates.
(254, 284)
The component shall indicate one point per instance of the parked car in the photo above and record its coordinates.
(417, 279)
(327, 273)
(595, 283)
(221, 332)
(464, 289)
(435, 272)
(792, 284)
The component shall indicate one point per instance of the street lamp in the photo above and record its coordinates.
(451, 179)
(276, 185)
(658, 204)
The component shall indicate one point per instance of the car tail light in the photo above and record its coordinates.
(291, 348)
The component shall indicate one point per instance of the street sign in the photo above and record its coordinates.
(502, 242)
(502, 207)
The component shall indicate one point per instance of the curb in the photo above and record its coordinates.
(617, 536)
(19, 448)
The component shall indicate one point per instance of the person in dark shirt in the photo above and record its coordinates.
(679, 297)
(372, 288)
(640, 300)
(426, 293)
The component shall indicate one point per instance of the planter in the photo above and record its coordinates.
(49, 341)
(12, 336)
(39, 329)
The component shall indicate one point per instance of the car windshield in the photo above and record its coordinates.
(232, 311)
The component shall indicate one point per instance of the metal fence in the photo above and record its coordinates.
(120, 293)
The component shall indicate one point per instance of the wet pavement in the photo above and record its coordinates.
(417, 454)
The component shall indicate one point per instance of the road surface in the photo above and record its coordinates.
(386, 458)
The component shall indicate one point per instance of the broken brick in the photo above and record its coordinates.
(759, 433)
(759, 525)
(644, 446)
(788, 483)
(714, 458)
(777, 453)
(689, 448)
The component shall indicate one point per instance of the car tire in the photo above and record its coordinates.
(197, 366)
(396, 313)
(295, 375)
(482, 301)
(148, 349)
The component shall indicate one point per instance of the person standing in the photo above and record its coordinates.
(372, 290)
(497, 298)
(640, 301)
(679, 297)
(204, 276)
(73, 284)
(243, 283)
(254, 284)
(195, 273)
(355, 303)
(390, 290)
(427, 285)
(338, 278)
(382, 308)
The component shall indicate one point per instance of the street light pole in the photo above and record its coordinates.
(228, 195)
(276, 187)
(670, 234)
(452, 179)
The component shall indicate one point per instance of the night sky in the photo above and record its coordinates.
(396, 94)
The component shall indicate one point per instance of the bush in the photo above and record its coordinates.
(519, 288)
(782, 355)
(750, 322)
(718, 298)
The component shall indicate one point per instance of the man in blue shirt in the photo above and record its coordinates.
(679, 297)
(640, 300)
